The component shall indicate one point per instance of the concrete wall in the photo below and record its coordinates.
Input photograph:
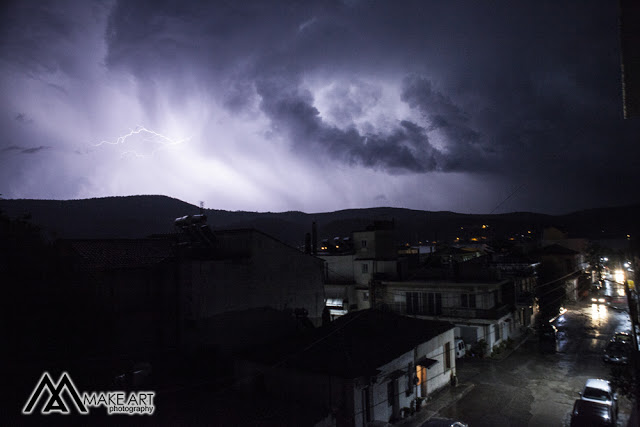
(339, 268)
(264, 273)
(438, 375)
(383, 410)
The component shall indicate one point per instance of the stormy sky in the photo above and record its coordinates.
(467, 106)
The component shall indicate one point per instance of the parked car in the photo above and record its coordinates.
(617, 352)
(623, 337)
(587, 413)
(600, 391)
(461, 350)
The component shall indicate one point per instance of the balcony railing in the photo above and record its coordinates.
(476, 313)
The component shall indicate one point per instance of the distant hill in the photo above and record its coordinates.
(140, 216)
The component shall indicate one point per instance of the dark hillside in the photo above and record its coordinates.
(140, 216)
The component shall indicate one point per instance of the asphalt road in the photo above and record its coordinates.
(529, 388)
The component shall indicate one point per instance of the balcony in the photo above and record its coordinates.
(476, 313)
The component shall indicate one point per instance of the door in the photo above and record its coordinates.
(421, 373)
(366, 405)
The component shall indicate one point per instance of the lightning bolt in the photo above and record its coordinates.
(148, 136)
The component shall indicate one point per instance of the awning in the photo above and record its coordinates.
(426, 362)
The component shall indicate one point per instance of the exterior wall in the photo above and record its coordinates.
(317, 393)
(265, 273)
(363, 298)
(363, 271)
(407, 391)
(134, 310)
(571, 287)
(438, 375)
(491, 319)
(487, 297)
(379, 244)
(345, 398)
(339, 268)
(383, 409)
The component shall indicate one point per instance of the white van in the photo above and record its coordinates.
(461, 351)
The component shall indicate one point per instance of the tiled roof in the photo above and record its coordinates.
(354, 345)
(121, 253)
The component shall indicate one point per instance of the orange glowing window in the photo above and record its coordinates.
(421, 373)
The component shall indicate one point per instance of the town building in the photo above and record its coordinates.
(481, 310)
(174, 291)
(365, 366)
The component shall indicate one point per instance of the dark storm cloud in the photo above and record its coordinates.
(445, 116)
(351, 101)
(405, 148)
(22, 118)
(259, 53)
(507, 93)
(504, 88)
(40, 37)
(25, 150)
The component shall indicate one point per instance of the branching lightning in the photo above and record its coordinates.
(150, 136)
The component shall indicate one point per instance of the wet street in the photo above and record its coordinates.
(529, 388)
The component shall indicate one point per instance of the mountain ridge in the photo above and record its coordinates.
(140, 216)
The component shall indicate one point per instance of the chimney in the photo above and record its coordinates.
(307, 243)
(314, 238)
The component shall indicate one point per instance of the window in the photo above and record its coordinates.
(365, 268)
(363, 243)
(390, 392)
(447, 356)
(496, 329)
(365, 296)
(468, 300)
(438, 308)
(414, 303)
(424, 303)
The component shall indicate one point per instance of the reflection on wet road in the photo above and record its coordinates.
(530, 388)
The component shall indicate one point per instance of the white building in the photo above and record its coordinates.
(349, 274)
(479, 310)
(365, 366)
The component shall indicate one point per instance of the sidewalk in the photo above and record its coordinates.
(438, 402)
(449, 395)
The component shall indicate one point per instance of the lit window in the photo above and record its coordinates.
(421, 373)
